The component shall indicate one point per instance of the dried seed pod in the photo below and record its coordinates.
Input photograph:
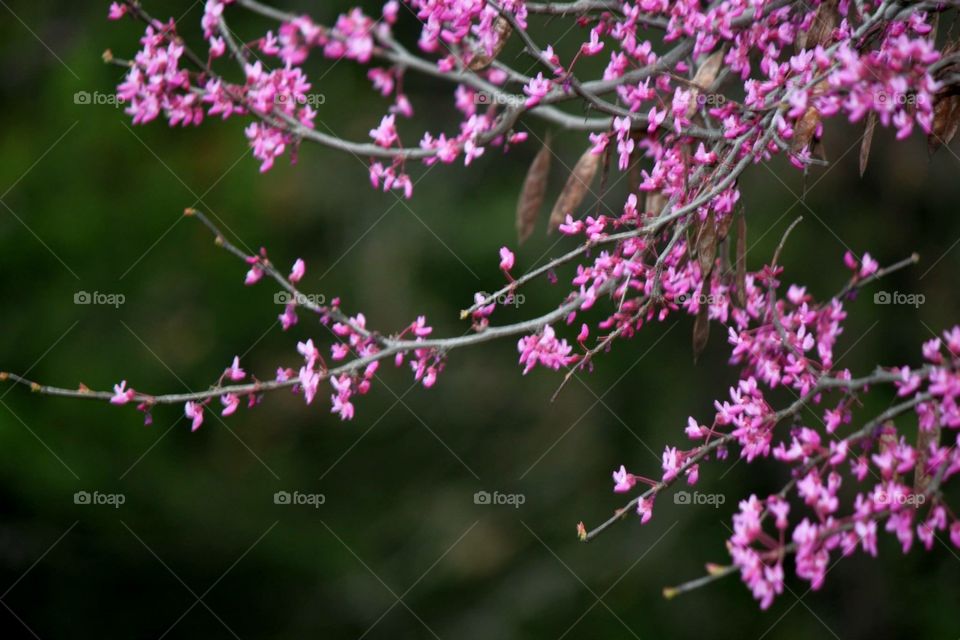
(708, 70)
(482, 58)
(701, 331)
(821, 30)
(867, 141)
(805, 129)
(655, 203)
(704, 78)
(921, 479)
(533, 192)
(946, 118)
(707, 246)
(741, 268)
(575, 189)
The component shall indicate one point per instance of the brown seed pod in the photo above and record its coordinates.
(482, 58)
(701, 331)
(867, 141)
(533, 191)
(821, 30)
(741, 268)
(576, 188)
(805, 129)
(707, 246)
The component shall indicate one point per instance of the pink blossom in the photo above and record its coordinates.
(593, 47)
(117, 10)
(386, 133)
(194, 411)
(122, 395)
(230, 403)
(536, 89)
(645, 509)
(234, 372)
(623, 481)
(299, 268)
(506, 259)
(545, 349)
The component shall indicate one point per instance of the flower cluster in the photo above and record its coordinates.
(690, 95)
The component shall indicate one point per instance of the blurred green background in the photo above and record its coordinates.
(200, 549)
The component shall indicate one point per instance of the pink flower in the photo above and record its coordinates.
(672, 461)
(122, 395)
(234, 372)
(341, 400)
(217, 47)
(869, 266)
(623, 481)
(289, 316)
(593, 47)
(117, 10)
(309, 352)
(506, 259)
(385, 134)
(536, 89)
(702, 157)
(645, 509)
(299, 268)
(194, 411)
(253, 275)
(309, 381)
(230, 403)
(545, 349)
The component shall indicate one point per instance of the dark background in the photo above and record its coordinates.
(91, 203)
